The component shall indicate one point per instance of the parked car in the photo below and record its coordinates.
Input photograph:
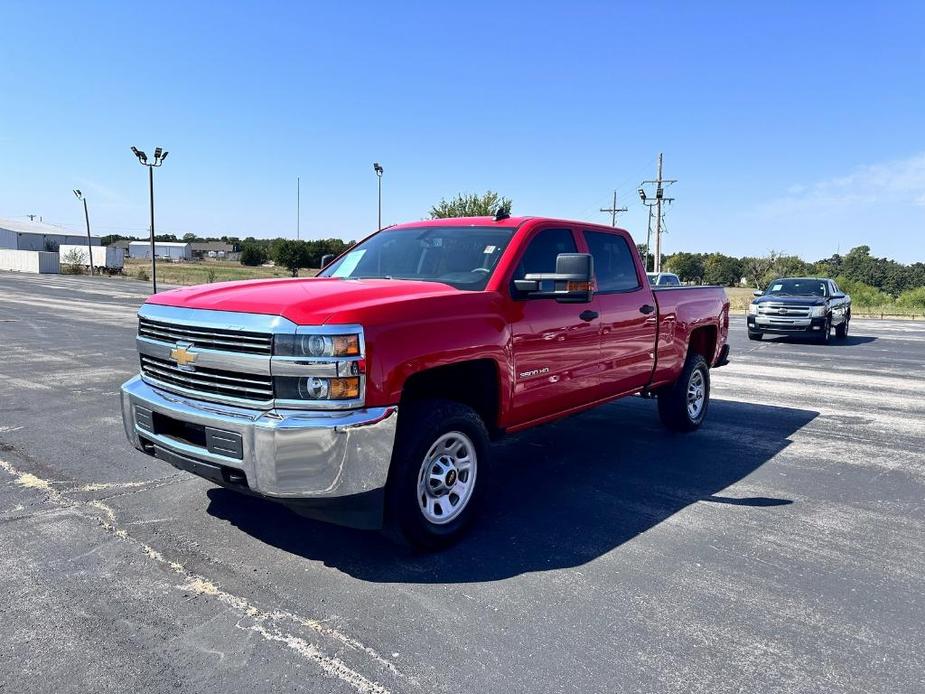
(663, 279)
(368, 395)
(810, 306)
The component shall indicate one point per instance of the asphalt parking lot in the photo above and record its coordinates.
(779, 549)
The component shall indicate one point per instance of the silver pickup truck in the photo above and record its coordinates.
(811, 306)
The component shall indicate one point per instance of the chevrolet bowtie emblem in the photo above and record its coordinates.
(182, 355)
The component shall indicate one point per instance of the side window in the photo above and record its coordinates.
(613, 262)
(542, 251)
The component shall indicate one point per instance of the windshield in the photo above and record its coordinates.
(463, 257)
(801, 287)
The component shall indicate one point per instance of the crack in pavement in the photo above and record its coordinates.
(268, 624)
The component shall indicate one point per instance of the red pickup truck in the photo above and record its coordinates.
(369, 395)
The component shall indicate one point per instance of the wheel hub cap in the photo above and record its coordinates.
(447, 477)
(696, 395)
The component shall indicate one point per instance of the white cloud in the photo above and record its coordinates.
(896, 182)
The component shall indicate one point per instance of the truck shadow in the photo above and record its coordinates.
(848, 341)
(560, 496)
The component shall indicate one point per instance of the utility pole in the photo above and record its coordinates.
(377, 167)
(613, 210)
(659, 199)
(298, 206)
(80, 196)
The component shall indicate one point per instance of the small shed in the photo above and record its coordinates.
(168, 250)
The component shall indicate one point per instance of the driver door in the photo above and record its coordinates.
(556, 346)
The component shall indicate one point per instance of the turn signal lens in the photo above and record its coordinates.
(346, 345)
(344, 388)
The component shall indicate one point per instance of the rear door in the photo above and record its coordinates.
(627, 309)
(556, 346)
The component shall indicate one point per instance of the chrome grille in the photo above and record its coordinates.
(783, 310)
(207, 338)
(226, 384)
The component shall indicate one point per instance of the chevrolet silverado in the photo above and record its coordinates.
(368, 395)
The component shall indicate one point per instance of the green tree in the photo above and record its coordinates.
(470, 205)
(687, 266)
(291, 255)
(759, 270)
(722, 269)
(253, 254)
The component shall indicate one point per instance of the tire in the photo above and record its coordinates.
(434, 437)
(826, 335)
(673, 400)
(841, 332)
(754, 336)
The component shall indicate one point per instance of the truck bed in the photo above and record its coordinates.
(681, 312)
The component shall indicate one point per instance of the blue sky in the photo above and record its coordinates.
(798, 127)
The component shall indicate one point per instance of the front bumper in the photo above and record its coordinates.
(331, 465)
(785, 326)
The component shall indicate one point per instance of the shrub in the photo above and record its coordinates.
(913, 298)
(72, 262)
(253, 255)
(142, 274)
(863, 294)
(210, 275)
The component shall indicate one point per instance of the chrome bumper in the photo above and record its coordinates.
(284, 454)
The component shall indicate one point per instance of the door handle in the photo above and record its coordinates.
(588, 315)
(646, 308)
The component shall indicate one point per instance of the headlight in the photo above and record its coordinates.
(317, 345)
(317, 388)
(323, 367)
(753, 309)
(817, 311)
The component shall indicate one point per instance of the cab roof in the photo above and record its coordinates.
(508, 222)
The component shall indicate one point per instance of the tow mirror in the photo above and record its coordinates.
(757, 292)
(326, 260)
(572, 280)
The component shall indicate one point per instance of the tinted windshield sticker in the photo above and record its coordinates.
(777, 287)
(489, 249)
(349, 264)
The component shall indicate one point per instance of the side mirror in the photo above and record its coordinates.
(838, 296)
(757, 292)
(572, 278)
(326, 260)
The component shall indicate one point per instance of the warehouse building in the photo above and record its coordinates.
(38, 236)
(168, 250)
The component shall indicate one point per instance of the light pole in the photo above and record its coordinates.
(80, 196)
(377, 167)
(159, 157)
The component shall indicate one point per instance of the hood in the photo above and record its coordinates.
(807, 300)
(304, 301)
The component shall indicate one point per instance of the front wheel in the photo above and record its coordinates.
(841, 331)
(754, 336)
(682, 406)
(826, 335)
(438, 470)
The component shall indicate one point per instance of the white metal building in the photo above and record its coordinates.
(171, 250)
(38, 236)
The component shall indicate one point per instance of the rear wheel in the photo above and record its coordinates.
(438, 470)
(683, 405)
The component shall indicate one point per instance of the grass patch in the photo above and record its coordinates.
(207, 271)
